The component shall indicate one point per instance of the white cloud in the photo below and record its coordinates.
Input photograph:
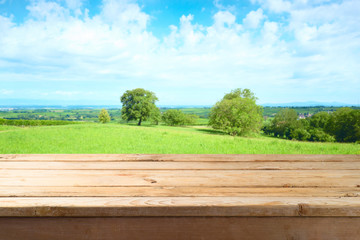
(306, 33)
(125, 15)
(254, 18)
(188, 32)
(224, 18)
(222, 7)
(74, 4)
(270, 32)
(42, 10)
(116, 47)
(277, 6)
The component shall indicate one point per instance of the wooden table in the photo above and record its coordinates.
(179, 196)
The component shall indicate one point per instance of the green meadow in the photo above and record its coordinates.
(125, 138)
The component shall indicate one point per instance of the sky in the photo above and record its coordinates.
(189, 52)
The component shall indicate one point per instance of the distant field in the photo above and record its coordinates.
(119, 138)
(91, 115)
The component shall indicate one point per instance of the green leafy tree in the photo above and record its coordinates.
(319, 120)
(283, 122)
(237, 113)
(104, 116)
(138, 104)
(344, 124)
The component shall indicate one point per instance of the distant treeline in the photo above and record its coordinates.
(34, 122)
(342, 125)
(271, 111)
(115, 114)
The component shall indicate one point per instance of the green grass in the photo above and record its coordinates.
(7, 128)
(119, 138)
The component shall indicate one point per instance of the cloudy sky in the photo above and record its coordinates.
(188, 52)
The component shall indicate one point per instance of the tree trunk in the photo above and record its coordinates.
(139, 123)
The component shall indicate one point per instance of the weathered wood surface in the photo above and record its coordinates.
(127, 185)
(181, 228)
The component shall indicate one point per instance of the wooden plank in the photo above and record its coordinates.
(180, 157)
(181, 165)
(178, 228)
(175, 192)
(179, 206)
(209, 178)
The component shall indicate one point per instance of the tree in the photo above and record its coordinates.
(319, 120)
(138, 104)
(284, 120)
(344, 124)
(237, 113)
(104, 116)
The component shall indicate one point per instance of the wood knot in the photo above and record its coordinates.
(351, 195)
(150, 180)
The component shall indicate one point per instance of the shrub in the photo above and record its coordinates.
(299, 134)
(318, 135)
(155, 116)
(174, 117)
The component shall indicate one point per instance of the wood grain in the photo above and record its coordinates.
(226, 178)
(178, 228)
(179, 206)
(22, 191)
(232, 165)
(144, 185)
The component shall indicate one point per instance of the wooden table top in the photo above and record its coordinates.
(109, 185)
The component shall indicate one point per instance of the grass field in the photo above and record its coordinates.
(119, 138)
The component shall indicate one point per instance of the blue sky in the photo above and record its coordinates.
(187, 52)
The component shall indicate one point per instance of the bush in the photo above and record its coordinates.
(299, 134)
(318, 135)
(155, 116)
(174, 117)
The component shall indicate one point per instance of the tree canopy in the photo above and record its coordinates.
(344, 124)
(237, 113)
(283, 121)
(104, 116)
(138, 104)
